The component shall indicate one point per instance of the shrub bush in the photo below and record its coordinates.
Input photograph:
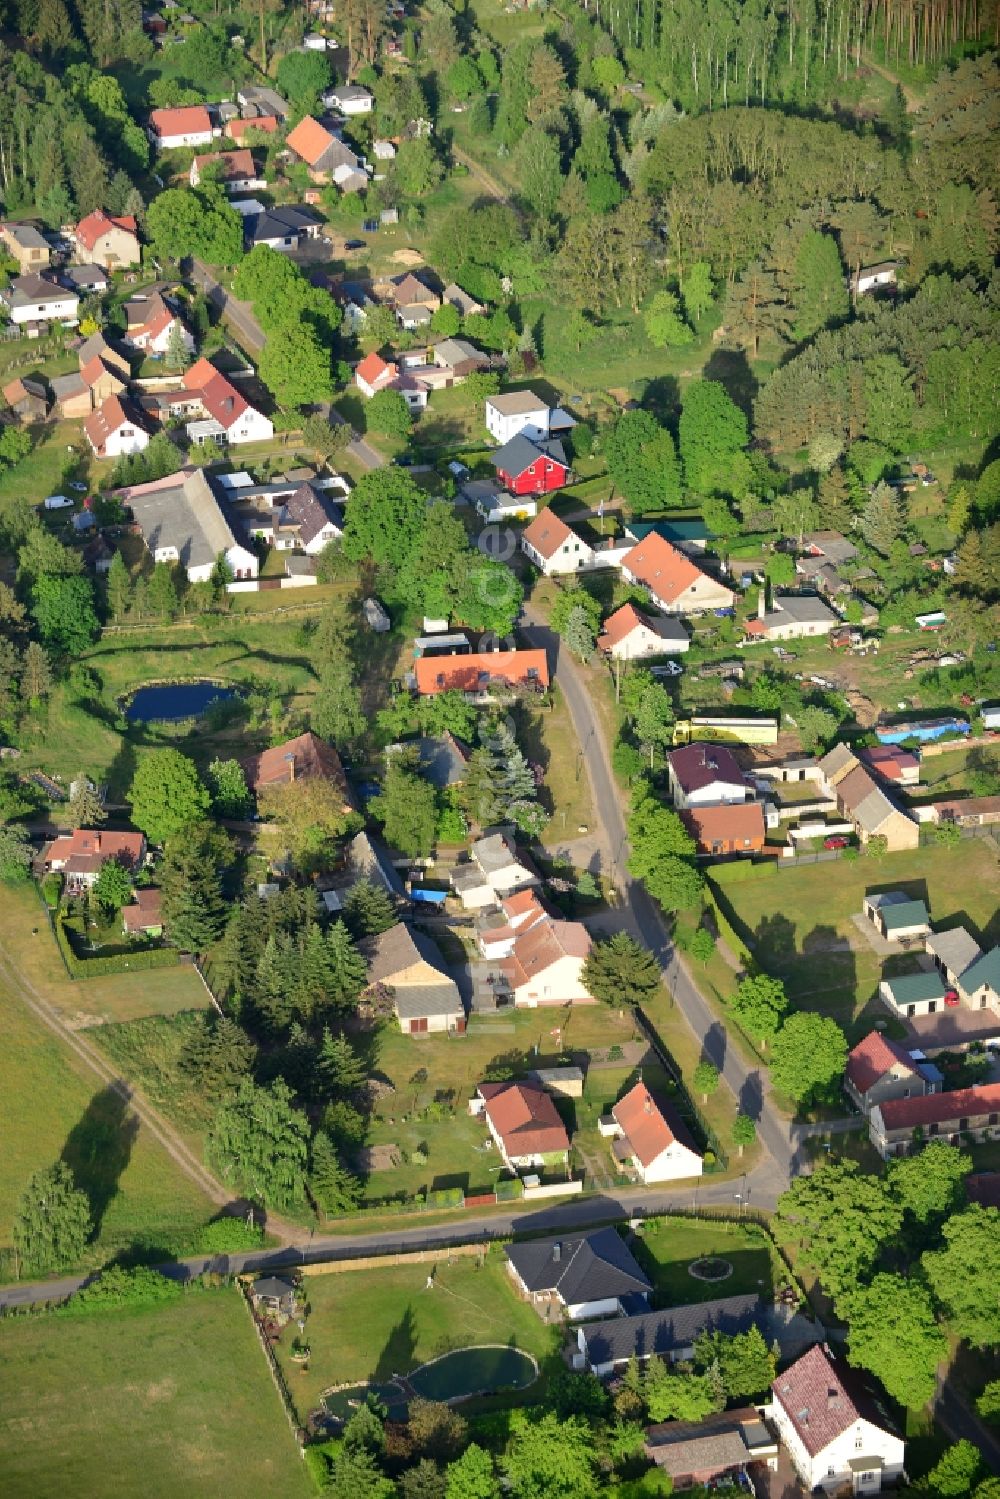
(226, 1235)
(116, 1288)
(447, 1197)
(508, 1191)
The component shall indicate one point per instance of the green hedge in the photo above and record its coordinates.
(447, 1197)
(93, 968)
(507, 1191)
(742, 870)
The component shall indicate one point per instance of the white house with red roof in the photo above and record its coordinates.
(706, 775)
(116, 428)
(153, 332)
(651, 1139)
(898, 766)
(374, 374)
(631, 635)
(878, 1069)
(673, 582)
(186, 125)
(237, 170)
(524, 1123)
(229, 417)
(545, 966)
(554, 547)
(834, 1430)
(107, 240)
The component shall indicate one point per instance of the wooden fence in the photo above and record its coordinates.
(278, 1379)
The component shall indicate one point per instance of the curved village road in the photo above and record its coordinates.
(748, 1085)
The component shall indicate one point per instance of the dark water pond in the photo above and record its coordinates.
(175, 701)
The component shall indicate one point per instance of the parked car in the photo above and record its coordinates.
(668, 669)
(57, 501)
(355, 244)
(77, 487)
(836, 841)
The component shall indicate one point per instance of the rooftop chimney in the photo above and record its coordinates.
(648, 1105)
(290, 761)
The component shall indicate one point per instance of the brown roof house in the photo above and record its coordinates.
(545, 966)
(720, 1445)
(878, 1069)
(631, 635)
(525, 1125)
(144, 918)
(554, 547)
(27, 245)
(81, 854)
(675, 585)
(650, 1138)
(326, 156)
(728, 829)
(862, 800)
(305, 758)
(835, 1432)
(408, 963)
(27, 398)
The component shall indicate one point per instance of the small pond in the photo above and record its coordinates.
(341, 1404)
(474, 1371)
(171, 702)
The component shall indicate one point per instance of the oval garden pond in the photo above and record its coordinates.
(172, 702)
(454, 1376)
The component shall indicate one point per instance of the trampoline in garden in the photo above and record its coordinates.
(473, 1371)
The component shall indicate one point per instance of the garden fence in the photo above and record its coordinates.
(652, 1036)
(287, 1404)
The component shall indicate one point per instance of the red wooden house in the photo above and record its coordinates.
(526, 467)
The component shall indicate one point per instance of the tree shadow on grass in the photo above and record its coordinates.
(398, 1354)
(99, 1147)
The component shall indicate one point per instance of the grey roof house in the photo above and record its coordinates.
(582, 1275)
(425, 996)
(604, 1347)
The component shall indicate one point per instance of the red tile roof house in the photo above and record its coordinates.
(727, 829)
(115, 428)
(374, 374)
(153, 333)
(526, 467)
(144, 918)
(236, 170)
(836, 1434)
(545, 966)
(984, 1187)
(898, 766)
(554, 547)
(879, 1069)
(675, 585)
(189, 125)
(79, 855)
(238, 130)
(326, 156)
(525, 1125)
(104, 240)
(703, 775)
(965, 1114)
(650, 1138)
(224, 407)
(479, 675)
(630, 635)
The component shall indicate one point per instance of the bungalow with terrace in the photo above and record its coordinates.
(484, 675)
(228, 416)
(878, 1069)
(107, 240)
(425, 997)
(545, 966)
(32, 300)
(861, 799)
(673, 582)
(631, 635)
(732, 828)
(579, 1275)
(27, 245)
(705, 775)
(304, 758)
(835, 1432)
(899, 1124)
(525, 1125)
(144, 917)
(79, 856)
(554, 547)
(792, 616)
(150, 324)
(650, 1139)
(606, 1347)
(115, 428)
(283, 227)
(349, 99)
(187, 125)
(236, 170)
(526, 467)
(326, 156)
(180, 520)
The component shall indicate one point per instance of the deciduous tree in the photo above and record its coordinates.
(167, 794)
(113, 887)
(962, 1275)
(841, 1218)
(52, 1223)
(892, 1332)
(810, 1051)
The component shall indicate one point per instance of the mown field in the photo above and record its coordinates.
(173, 1402)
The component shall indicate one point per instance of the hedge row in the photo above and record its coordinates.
(508, 1191)
(126, 962)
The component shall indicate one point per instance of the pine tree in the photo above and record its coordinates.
(820, 296)
(883, 519)
(340, 1069)
(86, 810)
(194, 907)
(333, 1187)
(579, 634)
(177, 355)
(36, 674)
(345, 968)
(53, 1221)
(218, 1053)
(369, 910)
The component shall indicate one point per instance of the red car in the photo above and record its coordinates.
(951, 998)
(836, 842)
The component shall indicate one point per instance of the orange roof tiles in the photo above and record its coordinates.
(372, 367)
(733, 822)
(649, 1127)
(474, 673)
(543, 946)
(237, 129)
(90, 229)
(309, 140)
(191, 119)
(940, 1108)
(873, 1057)
(663, 569)
(619, 626)
(525, 1118)
(547, 533)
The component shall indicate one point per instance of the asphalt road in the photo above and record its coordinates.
(239, 315)
(748, 1085)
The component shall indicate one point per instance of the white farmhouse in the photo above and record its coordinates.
(835, 1433)
(706, 775)
(651, 1140)
(554, 547)
(36, 299)
(518, 412)
(181, 521)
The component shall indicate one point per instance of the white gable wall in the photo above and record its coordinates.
(830, 1468)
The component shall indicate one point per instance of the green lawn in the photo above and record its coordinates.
(670, 1245)
(385, 1321)
(171, 1403)
(798, 923)
(53, 1106)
